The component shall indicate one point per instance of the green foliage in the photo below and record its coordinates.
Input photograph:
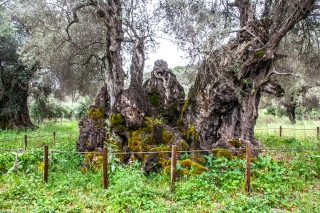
(271, 110)
(8, 43)
(281, 111)
(44, 108)
(82, 108)
(178, 69)
(260, 53)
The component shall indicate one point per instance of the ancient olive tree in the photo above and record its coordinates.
(14, 79)
(238, 41)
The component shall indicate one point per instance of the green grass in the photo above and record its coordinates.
(303, 134)
(280, 181)
(65, 134)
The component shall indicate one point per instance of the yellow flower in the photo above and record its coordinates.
(40, 166)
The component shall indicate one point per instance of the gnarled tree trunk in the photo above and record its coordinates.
(14, 113)
(291, 109)
(223, 103)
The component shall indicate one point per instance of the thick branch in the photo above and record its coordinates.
(302, 11)
(272, 88)
(75, 16)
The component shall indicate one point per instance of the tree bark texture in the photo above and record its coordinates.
(155, 98)
(92, 131)
(222, 106)
(114, 38)
(223, 103)
(165, 93)
(291, 112)
(14, 113)
(133, 102)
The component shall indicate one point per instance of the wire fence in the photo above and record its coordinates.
(40, 136)
(172, 154)
(280, 131)
(37, 141)
(30, 144)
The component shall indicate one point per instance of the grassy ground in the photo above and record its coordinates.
(67, 132)
(280, 181)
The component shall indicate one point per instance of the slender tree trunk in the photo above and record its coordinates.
(137, 63)
(133, 103)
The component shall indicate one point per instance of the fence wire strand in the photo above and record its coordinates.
(41, 136)
(158, 152)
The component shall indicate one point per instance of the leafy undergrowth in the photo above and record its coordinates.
(291, 185)
(280, 182)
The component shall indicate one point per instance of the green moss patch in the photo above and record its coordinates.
(154, 98)
(182, 146)
(190, 167)
(222, 153)
(260, 53)
(92, 162)
(117, 121)
(167, 137)
(96, 113)
(184, 108)
(235, 143)
(163, 157)
(190, 135)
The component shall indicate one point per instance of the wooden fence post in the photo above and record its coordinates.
(280, 131)
(54, 138)
(105, 168)
(318, 132)
(247, 172)
(45, 163)
(173, 165)
(25, 142)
